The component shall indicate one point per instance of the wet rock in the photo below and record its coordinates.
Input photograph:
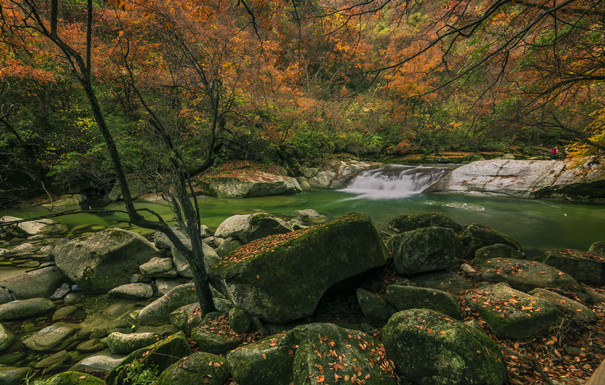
(133, 291)
(411, 297)
(37, 283)
(93, 345)
(26, 308)
(40, 226)
(61, 292)
(429, 348)
(52, 338)
(104, 260)
(63, 312)
(425, 249)
(159, 310)
(165, 285)
(525, 275)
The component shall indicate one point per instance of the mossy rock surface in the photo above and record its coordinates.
(212, 342)
(159, 311)
(511, 313)
(476, 236)
(412, 297)
(156, 357)
(187, 317)
(374, 308)
(583, 266)
(120, 343)
(572, 308)
(73, 378)
(597, 248)
(526, 275)
(425, 249)
(405, 223)
(498, 250)
(430, 348)
(312, 354)
(198, 368)
(442, 280)
(281, 278)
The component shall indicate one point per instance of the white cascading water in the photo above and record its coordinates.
(395, 181)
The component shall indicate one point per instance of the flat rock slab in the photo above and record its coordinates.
(431, 348)
(511, 313)
(25, 309)
(526, 275)
(52, 338)
(583, 266)
(282, 277)
(572, 308)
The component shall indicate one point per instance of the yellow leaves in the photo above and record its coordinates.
(120, 4)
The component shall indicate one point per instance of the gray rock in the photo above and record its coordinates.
(247, 228)
(525, 275)
(61, 291)
(424, 249)
(52, 338)
(120, 343)
(93, 345)
(13, 376)
(63, 312)
(308, 214)
(100, 364)
(40, 226)
(26, 308)
(322, 179)
(163, 286)
(159, 310)
(261, 184)
(411, 297)
(182, 266)
(37, 283)
(104, 260)
(162, 242)
(72, 298)
(157, 267)
(6, 295)
(60, 358)
(6, 338)
(212, 342)
(133, 291)
(429, 348)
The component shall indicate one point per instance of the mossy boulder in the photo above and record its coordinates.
(583, 266)
(156, 357)
(214, 342)
(597, 248)
(249, 227)
(187, 317)
(498, 250)
(312, 354)
(282, 277)
(424, 249)
(430, 348)
(449, 281)
(120, 343)
(526, 275)
(239, 320)
(104, 260)
(412, 297)
(375, 309)
(572, 308)
(511, 313)
(72, 378)
(200, 367)
(476, 236)
(405, 223)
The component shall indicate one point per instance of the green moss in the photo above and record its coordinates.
(411, 222)
(72, 378)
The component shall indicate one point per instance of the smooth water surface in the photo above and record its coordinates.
(538, 225)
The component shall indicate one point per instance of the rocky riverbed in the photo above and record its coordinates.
(306, 300)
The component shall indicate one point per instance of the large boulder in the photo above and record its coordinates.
(35, 227)
(526, 275)
(511, 313)
(200, 367)
(253, 184)
(159, 310)
(312, 354)
(429, 348)
(583, 266)
(425, 249)
(405, 223)
(282, 277)
(104, 260)
(411, 297)
(249, 227)
(36, 283)
(477, 236)
(496, 251)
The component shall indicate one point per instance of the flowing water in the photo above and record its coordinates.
(384, 194)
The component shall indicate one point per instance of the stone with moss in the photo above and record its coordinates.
(72, 378)
(597, 248)
(281, 278)
(583, 266)
(572, 308)
(214, 341)
(405, 223)
(375, 309)
(159, 310)
(430, 348)
(425, 249)
(449, 281)
(200, 367)
(10, 375)
(498, 250)
(511, 313)
(476, 236)
(249, 227)
(526, 275)
(155, 358)
(412, 297)
(122, 343)
(239, 320)
(187, 317)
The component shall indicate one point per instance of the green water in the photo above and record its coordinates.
(538, 225)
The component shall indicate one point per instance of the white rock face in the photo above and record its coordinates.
(515, 178)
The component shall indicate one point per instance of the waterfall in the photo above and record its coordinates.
(395, 181)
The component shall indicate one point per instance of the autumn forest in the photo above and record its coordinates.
(188, 83)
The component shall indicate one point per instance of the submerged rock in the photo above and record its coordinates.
(425, 249)
(429, 348)
(281, 278)
(104, 260)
